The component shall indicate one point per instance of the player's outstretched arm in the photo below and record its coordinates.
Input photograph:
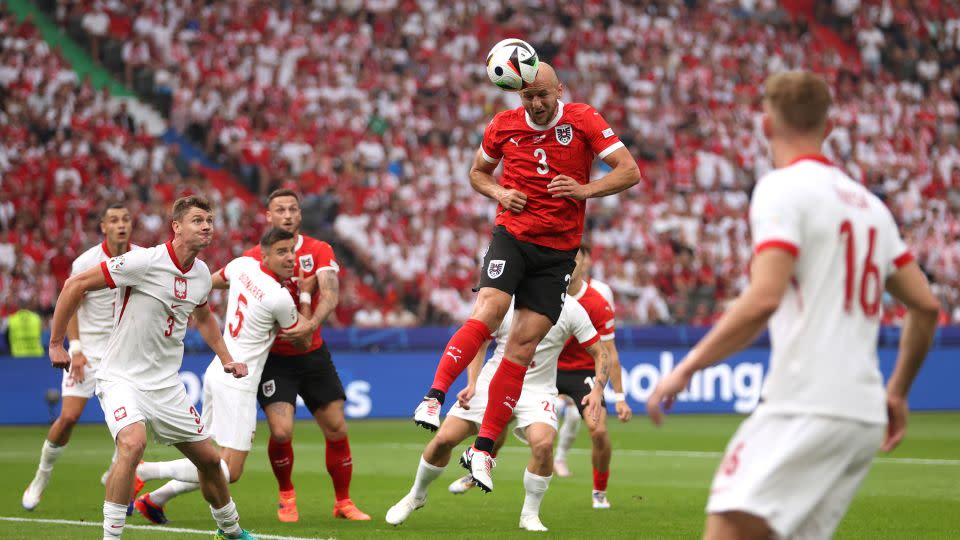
(483, 182)
(593, 402)
(769, 278)
(209, 329)
(69, 300)
(473, 373)
(624, 412)
(625, 174)
(219, 280)
(909, 286)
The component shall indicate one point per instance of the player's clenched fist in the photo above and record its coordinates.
(58, 356)
(237, 369)
(564, 186)
(512, 200)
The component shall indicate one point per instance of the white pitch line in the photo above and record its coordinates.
(142, 527)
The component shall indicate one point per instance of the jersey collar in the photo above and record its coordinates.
(812, 157)
(270, 273)
(176, 261)
(583, 290)
(552, 123)
(106, 249)
(299, 243)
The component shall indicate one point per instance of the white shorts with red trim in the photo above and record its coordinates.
(86, 389)
(798, 472)
(229, 413)
(533, 407)
(169, 412)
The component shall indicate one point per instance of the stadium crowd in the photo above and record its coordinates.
(380, 104)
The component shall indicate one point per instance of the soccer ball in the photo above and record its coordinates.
(512, 64)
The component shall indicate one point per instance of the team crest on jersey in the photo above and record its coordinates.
(306, 262)
(564, 133)
(495, 268)
(268, 388)
(180, 288)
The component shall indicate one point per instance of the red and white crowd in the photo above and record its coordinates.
(380, 105)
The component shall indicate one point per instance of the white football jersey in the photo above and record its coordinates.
(824, 334)
(155, 298)
(258, 305)
(541, 375)
(95, 314)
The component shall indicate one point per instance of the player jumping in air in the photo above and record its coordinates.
(138, 381)
(536, 417)
(87, 332)
(547, 148)
(259, 307)
(825, 248)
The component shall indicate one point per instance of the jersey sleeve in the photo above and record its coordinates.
(230, 270)
(127, 269)
(581, 326)
(602, 318)
(900, 254)
(603, 141)
(775, 216)
(285, 311)
(490, 146)
(325, 259)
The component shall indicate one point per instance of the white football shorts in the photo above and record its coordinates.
(798, 472)
(88, 388)
(168, 411)
(533, 407)
(229, 413)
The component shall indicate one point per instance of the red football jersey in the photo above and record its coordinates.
(312, 255)
(533, 155)
(574, 356)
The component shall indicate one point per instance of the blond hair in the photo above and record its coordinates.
(799, 100)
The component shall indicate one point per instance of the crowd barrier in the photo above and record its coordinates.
(384, 383)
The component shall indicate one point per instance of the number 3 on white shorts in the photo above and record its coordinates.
(541, 155)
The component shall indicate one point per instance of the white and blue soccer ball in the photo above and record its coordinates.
(512, 64)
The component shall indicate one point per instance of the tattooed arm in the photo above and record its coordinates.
(593, 401)
(329, 287)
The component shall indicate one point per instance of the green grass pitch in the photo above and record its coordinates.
(658, 486)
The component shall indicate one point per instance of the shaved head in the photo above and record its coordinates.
(541, 98)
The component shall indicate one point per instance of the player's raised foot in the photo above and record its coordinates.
(33, 493)
(427, 414)
(345, 509)
(481, 467)
(244, 535)
(600, 499)
(560, 467)
(150, 510)
(287, 508)
(399, 512)
(532, 523)
(462, 485)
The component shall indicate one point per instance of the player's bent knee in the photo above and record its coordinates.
(131, 446)
(70, 418)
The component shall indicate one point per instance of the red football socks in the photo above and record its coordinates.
(505, 387)
(461, 349)
(281, 460)
(340, 467)
(600, 480)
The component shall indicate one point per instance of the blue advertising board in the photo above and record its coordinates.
(389, 384)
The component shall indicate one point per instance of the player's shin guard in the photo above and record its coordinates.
(458, 354)
(340, 467)
(49, 455)
(505, 388)
(281, 460)
(114, 518)
(535, 486)
(227, 518)
(426, 474)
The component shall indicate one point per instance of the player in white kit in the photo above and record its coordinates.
(534, 412)
(259, 307)
(159, 288)
(824, 250)
(87, 332)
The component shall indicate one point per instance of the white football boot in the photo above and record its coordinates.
(31, 497)
(532, 523)
(399, 512)
(462, 485)
(600, 499)
(427, 414)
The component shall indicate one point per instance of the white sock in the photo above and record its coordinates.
(568, 432)
(536, 486)
(227, 518)
(114, 518)
(170, 490)
(426, 474)
(181, 469)
(49, 455)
